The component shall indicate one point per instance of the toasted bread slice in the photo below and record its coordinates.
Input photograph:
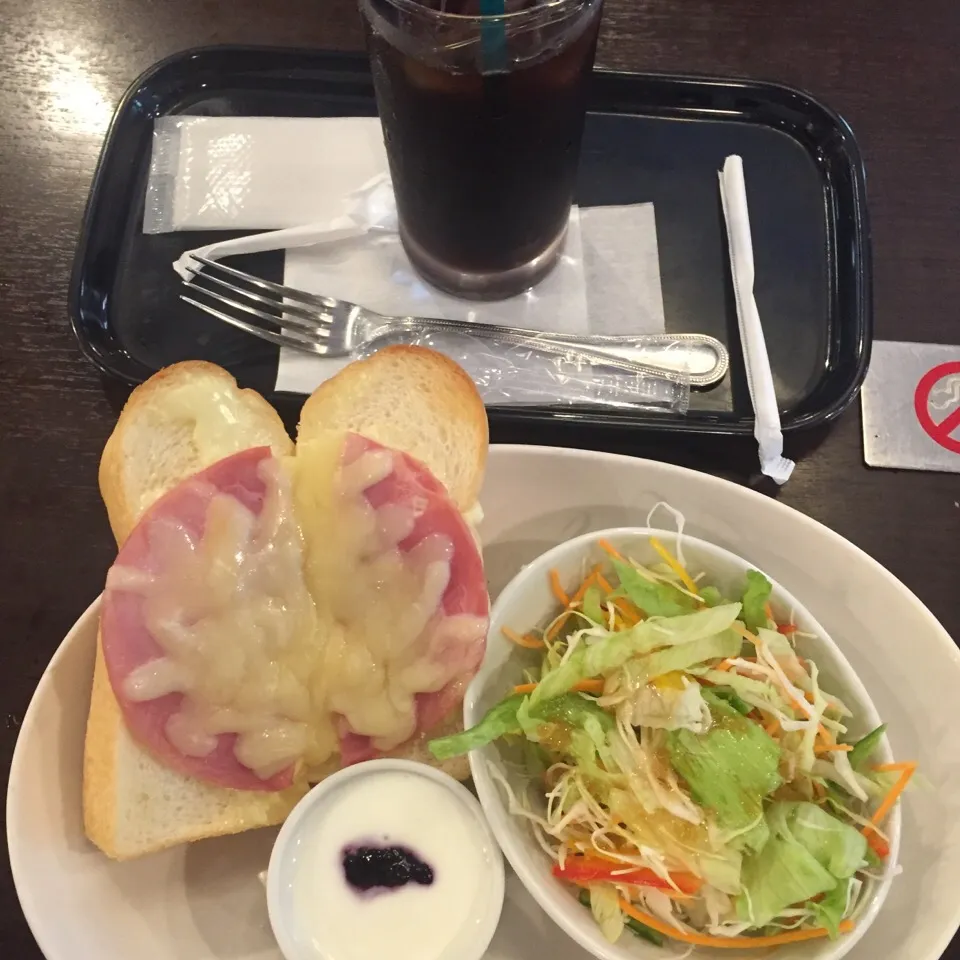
(414, 400)
(185, 418)
(181, 420)
(133, 805)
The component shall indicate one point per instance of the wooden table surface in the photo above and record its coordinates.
(893, 71)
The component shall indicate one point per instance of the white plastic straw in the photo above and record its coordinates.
(733, 193)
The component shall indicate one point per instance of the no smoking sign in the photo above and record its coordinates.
(939, 392)
(911, 407)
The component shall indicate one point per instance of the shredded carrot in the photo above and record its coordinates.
(631, 615)
(554, 629)
(588, 582)
(674, 565)
(609, 549)
(582, 686)
(819, 789)
(522, 640)
(768, 610)
(603, 583)
(725, 666)
(557, 589)
(890, 799)
(772, 727)
(825, 743)
(878, 845)
(721, 943)
(893, 767)
(834, 748)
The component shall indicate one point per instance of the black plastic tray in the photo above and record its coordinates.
(648, 138)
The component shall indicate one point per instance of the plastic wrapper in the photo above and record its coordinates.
(508, 374)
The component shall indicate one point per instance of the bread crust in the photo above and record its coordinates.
(150, 396)
(434, 386)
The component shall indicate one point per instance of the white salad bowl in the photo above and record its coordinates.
(527, 603)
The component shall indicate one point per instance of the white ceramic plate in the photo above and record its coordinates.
(204, 902)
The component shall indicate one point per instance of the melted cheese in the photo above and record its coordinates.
(234, 621)
(274, 627)
(209, 422)
(380, 612)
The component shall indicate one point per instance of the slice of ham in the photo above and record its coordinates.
(466, 594)
(127, 644)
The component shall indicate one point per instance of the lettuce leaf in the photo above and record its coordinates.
(655, 598)
(809, 852)
(729, 695)
(614, 650)
(780, 875)
(723, 871)
(499, 721)
(829, 911)
(756, 595)
(721, 645)
(729, 769)
(754, 839)
(835, 845)
(505, 718)
(592, 607)
(711, 596)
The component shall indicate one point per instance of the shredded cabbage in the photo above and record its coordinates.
(670, 708)
(605, 907)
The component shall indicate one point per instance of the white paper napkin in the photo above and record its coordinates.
(257, 173)
(733, 194)
(329, 176)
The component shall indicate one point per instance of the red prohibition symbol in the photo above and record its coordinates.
(941, 430)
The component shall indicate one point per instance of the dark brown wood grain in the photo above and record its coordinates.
(892, 69)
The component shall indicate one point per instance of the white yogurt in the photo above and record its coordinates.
(317, 915)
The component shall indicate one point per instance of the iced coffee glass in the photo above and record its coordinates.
(482, 104)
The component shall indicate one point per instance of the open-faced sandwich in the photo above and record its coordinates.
(279, 610)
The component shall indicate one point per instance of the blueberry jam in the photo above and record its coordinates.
(368, 867)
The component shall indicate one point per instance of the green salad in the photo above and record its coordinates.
(689, 776)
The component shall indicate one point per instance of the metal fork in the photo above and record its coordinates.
(336, 328)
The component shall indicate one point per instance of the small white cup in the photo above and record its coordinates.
(291, 936)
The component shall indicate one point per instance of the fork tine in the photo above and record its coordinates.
(289, 293)
(290, 339)
(293, 316)
(318, 330)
